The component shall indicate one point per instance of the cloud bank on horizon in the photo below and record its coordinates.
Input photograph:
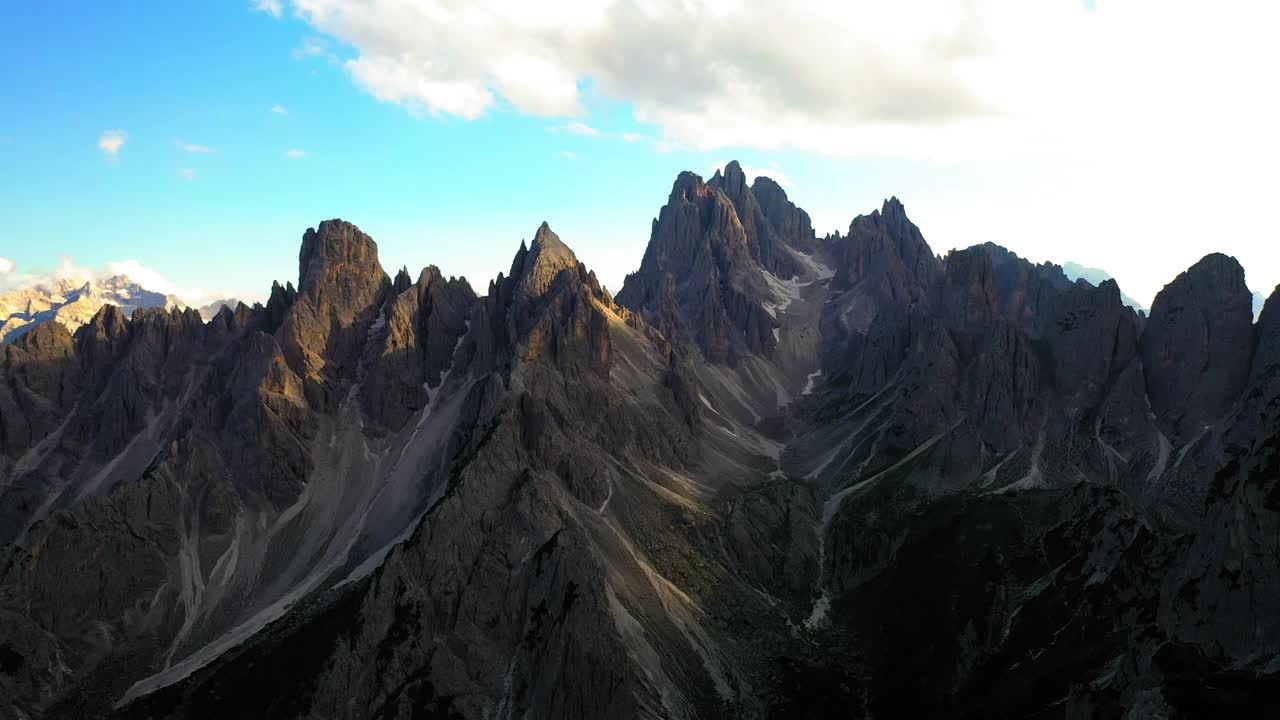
(71, 272)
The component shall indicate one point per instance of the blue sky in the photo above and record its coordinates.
(212, 97)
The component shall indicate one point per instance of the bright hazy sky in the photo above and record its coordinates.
(192, 143)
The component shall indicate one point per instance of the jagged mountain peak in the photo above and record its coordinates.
(109, 321)
(341, 287)
(1214, 273)
(1214, 283)
(885, 247)
(428, 275)
(281, 297)
(765, 185)
(767, 243)
(687, 187)
(540, 263)
(892, 213)
(1004, 259)
(339, 274)
(402, 280)
(698, 270)
(547, 246)
(1192, 342)
(43, 336)
(332, 251)
(789, 220)
(734, 180)
(721, 262)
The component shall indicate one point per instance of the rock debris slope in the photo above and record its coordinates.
(777, 474)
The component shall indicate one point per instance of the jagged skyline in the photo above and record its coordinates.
(136, 135)
(771, 454)
(639, 359)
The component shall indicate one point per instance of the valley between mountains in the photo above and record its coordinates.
(775, 475)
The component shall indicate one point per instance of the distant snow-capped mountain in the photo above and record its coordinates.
(1097, 276)
(207, 312)
(73, 302)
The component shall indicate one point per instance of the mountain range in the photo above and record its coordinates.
(74, 302)
(777, 475)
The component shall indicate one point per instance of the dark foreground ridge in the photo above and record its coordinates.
(777, 475)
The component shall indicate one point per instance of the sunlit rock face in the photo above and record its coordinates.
(72, 303)
(777, 476)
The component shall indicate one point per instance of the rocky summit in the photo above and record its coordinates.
(776, 476)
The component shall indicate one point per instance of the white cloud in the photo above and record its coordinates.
(313, 47)
(279, 109)
(67, 271)
(193, 147)
(111, 141)
(270, 7)
(141, 274)
(295, 153)
(187, 173)
(151, 279)
(6, 266)
(154, 280)
(632, 137)
(391, 80)
(1085, 135)
(753, 172)
(72, 273)
(578, 128)
(695, 68)
(920, 77)
(568, 154)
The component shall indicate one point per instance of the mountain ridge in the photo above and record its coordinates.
(73, 303)
(758, 481)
